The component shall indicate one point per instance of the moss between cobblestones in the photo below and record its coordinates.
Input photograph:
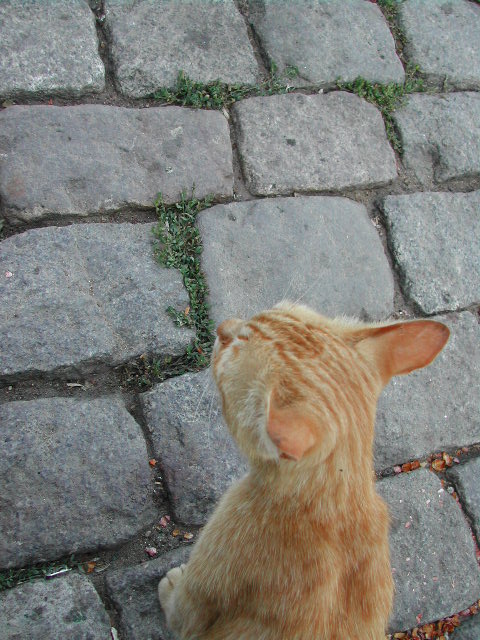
(179, 247)
(387, 97)
(216, 94)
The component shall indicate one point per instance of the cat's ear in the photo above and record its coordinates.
(400, 348)
(291, 429)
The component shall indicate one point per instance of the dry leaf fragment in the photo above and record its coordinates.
(406, 467)
(152, 462)
(188, 535)
(448, 459)
(151, 551)
(163, 522)
(415, 464)
(439, 465)
(187, 311)
(91, 566)
(176, 532)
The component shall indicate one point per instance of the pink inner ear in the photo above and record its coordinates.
(291, 431)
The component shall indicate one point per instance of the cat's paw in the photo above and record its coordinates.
(167, 585)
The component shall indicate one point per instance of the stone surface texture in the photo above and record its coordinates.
(326, 41)
(433, 558)
(198, 456)
(294, 142)
(467, 481)
(436, 408)
(48, 48)
(57, 161)
(469, 629)
(134, 593)
(85, 295)
(74, 476)
(440, 135)
(66, 607)
(443, 38)
(322, 250)
(435, 241)
(152, 41)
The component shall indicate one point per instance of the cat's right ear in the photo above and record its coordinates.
(400, 348)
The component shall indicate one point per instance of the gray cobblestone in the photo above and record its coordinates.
(152, 41)
(58, 161)
(326, 41)
(440, 136)
(48, 48)
(294, 142)
(443, 38)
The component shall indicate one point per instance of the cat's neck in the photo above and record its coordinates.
(320, 492)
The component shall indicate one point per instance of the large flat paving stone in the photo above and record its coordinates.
(198, 457)
(48, 48)
(152, 41)
(67, 607)
(440, 136)
(326, 41)
(467, 481)
(435, 242)
(74, 476)
(133, 591)
(436, 408)
(85, 296)
(321, 250)
(298, 143)
(57, 161)
(433, 558)
(433, 31)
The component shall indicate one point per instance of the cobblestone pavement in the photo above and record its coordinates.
(107, 476)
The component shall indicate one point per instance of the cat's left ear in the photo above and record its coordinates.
(402, 347)
(291, 429)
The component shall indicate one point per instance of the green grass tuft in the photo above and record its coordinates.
(10, 578)
(387, 97)
(178, 246)
(216, 94)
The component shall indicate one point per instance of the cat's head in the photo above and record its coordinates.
(293, 382)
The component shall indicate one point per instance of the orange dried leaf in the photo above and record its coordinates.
(415, 464)
(438, 465)
(406, 467)
(152, 462)
(91, 566)
(176, 532)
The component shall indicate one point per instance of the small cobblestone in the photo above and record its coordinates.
(48, 48)
(67, 607)
(88, 159)
(294, 142)
(433, 560)
(434, 238)
(83, 297)
(198, 457)
(467, 480)
(443, 38)
(74, 477)
(133, 591)
(440, 135)
(326, 41)
(152, 41)
(321, 250)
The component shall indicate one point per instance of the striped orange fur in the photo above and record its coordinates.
(298, 549)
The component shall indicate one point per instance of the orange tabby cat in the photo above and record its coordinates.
(298, 549)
